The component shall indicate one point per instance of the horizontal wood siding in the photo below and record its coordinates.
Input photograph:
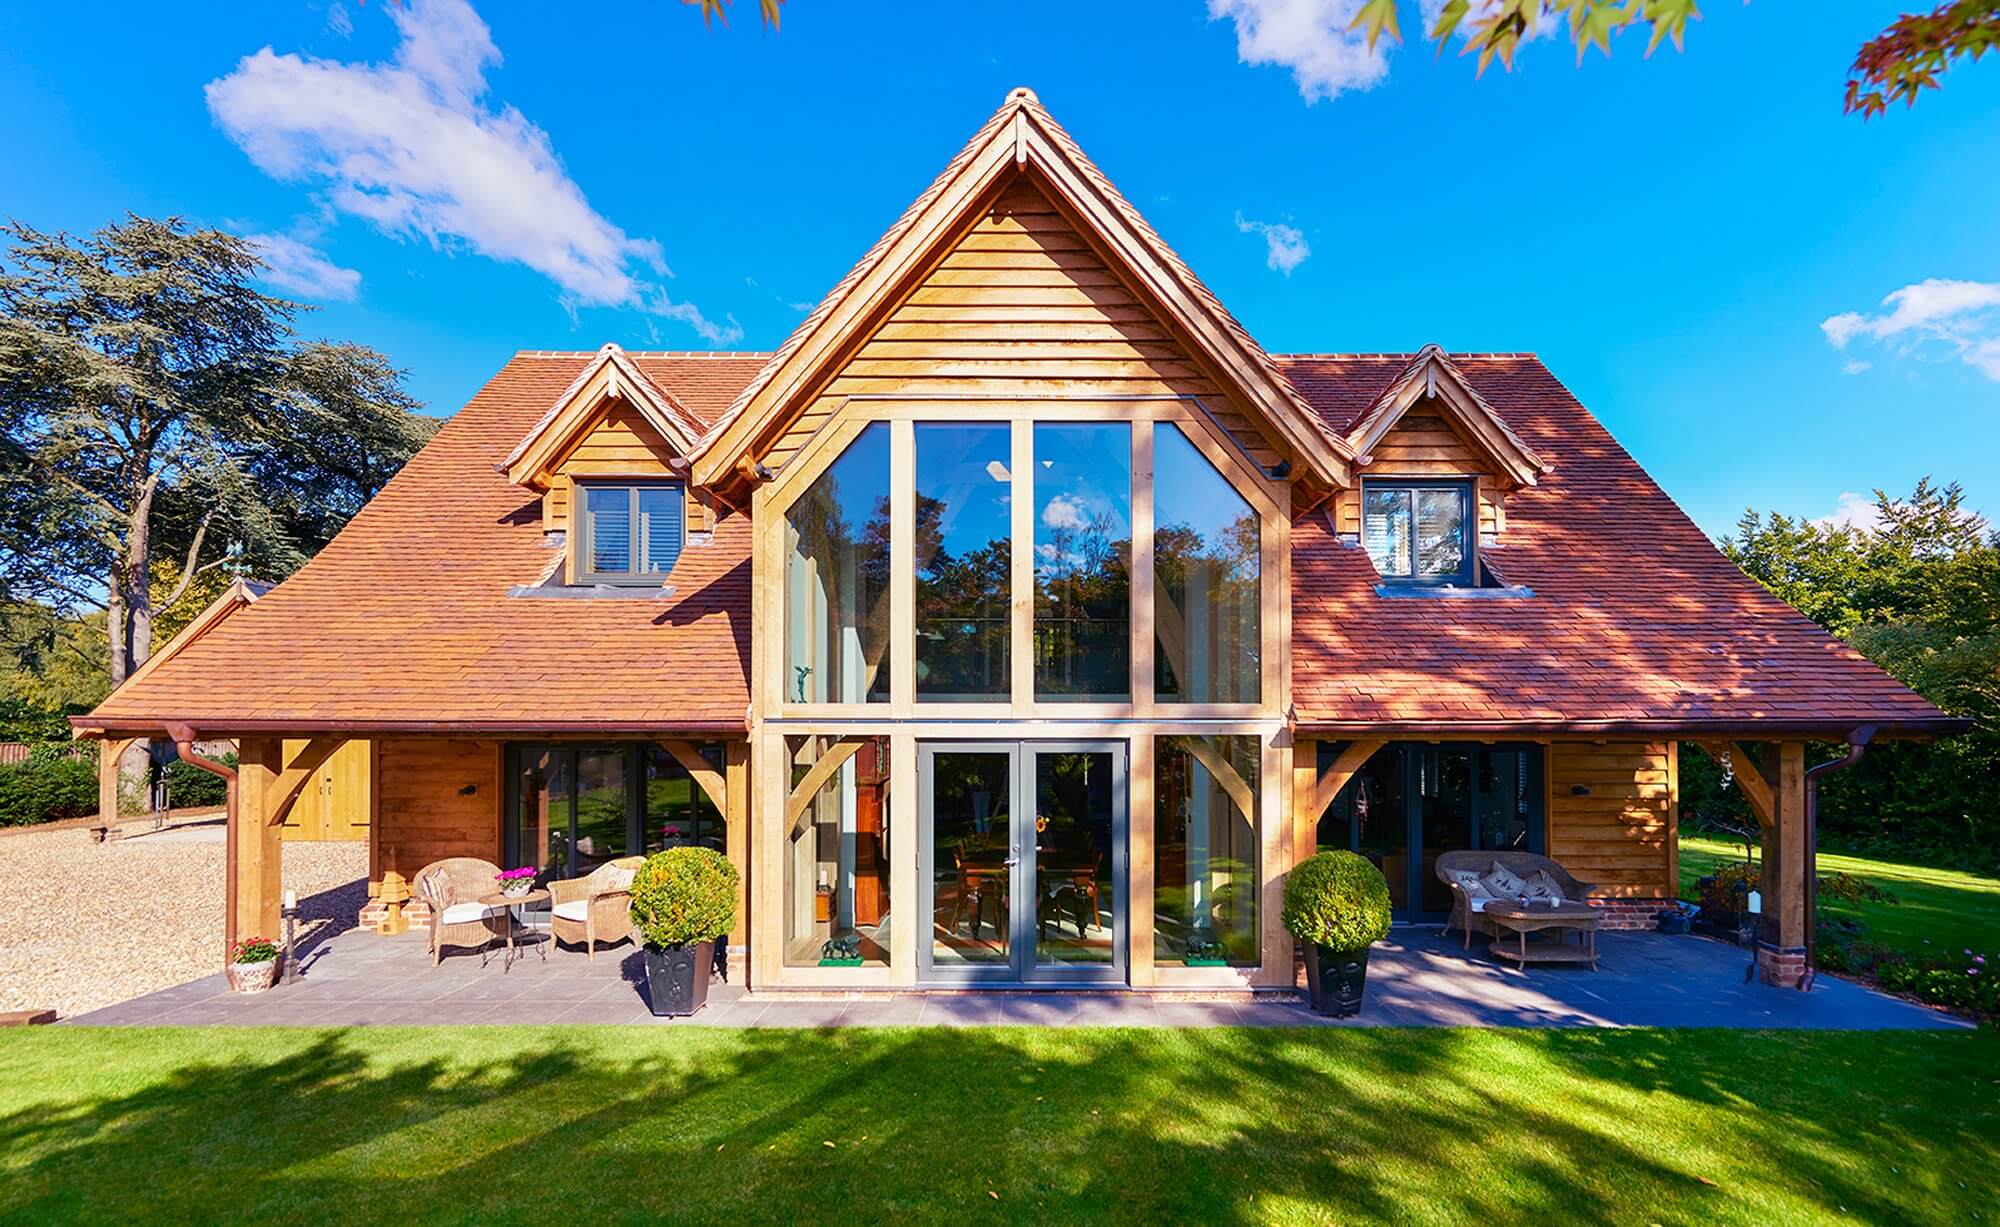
(1426, 445)
(1620, 833)
(436, 799)
(621, 444)
(1022, 307)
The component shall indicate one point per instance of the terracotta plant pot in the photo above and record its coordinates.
(1336, 979)
(677, 980)
(253, 977)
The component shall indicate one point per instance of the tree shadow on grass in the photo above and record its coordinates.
(1219, 1125)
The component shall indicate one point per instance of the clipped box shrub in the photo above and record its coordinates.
(47, 788)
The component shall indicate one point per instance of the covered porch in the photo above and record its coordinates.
(1416, 978)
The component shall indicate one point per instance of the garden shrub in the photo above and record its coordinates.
(47, 788)
(1338, 900)
(1964, 983)
(188, 786)
(683, 897)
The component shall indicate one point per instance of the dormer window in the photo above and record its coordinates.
(1419, 531)
(628, 532)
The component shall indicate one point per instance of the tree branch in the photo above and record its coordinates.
(188, 569)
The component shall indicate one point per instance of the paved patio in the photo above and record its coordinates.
(1416, 978)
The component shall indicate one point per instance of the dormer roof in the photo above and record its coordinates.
(1020, 138)
(610, 376)
(1432, 376)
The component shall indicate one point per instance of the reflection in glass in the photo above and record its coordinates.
(1075, 898)
(678, 814)
(1444, 814)
(837, 579)
(971, 844)
(1416, 532)
(1370, 817)
(541, 817)
(964, 573)
(1083, 561)
(601, 809)
(1506, 800)
(1205, 851)
(836, 899)
(1206, 571)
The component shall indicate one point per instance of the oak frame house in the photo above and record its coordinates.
(1023, 590)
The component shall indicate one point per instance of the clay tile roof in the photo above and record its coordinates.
(405, 618)
(404, 621)
(1635, 618)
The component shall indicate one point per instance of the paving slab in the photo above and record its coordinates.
(1416, 978)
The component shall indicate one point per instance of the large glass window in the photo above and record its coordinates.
(837, 579)
(964, 528)
(1206, 568)
(572, 808)
(1205, 850)
(629, 533)
(1418, 532)
(836, 885)
(1083, 561)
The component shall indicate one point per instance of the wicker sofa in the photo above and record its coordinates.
(1465, 910)
(594, 908)
(451, 888)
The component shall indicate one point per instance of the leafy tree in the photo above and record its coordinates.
(1897, 64)
(1919, 594)
(155, 404)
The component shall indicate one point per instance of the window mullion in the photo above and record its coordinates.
(1021, 556)
(1143, 519)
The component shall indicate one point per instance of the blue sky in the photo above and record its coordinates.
(1683, 239)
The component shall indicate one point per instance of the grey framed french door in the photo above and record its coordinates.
(1021, 862)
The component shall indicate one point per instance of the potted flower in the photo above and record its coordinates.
(515, 883)
(253, 965)
(1337, 906)
(683, 900)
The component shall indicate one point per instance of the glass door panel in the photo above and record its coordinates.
(1078, 820)
(541, 816)
(971, 854)
(1381, 830)
(602, 808)
(1444, 817)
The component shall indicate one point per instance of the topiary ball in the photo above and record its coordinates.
(683, 897)
(1338, 900)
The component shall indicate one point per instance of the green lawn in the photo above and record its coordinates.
(1938, 911)
(573, 1125)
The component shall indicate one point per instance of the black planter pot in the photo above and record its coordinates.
(1336, 979)
(677, 980)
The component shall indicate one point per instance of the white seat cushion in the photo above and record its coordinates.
(1478, 902)
(459, 913)
(576, 909)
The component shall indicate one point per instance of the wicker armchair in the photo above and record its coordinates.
(1465, 910)
(590, 910)
(452, 888)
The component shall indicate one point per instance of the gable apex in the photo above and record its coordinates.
(1019, 139)
(1433, 376)
(610, 376)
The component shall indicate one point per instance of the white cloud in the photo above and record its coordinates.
(1853, 510)
(1285, 248)
(415, 147)
(1960, 318)
(1310, 37)
(1545, 21)
(1065, 511)
(338, 21)
(1854, 366)
(296, 268)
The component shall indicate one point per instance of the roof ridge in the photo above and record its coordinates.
(1406, 355)
(760, 355)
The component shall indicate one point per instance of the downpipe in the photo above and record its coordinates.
(184, 737)
(1857, 744)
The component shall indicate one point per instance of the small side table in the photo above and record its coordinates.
(513, 908)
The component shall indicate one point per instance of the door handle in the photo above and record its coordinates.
(1013, 858)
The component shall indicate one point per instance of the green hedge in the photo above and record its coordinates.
(47, 789)
(189, 786)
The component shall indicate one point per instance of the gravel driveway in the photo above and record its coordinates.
(84, 925)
